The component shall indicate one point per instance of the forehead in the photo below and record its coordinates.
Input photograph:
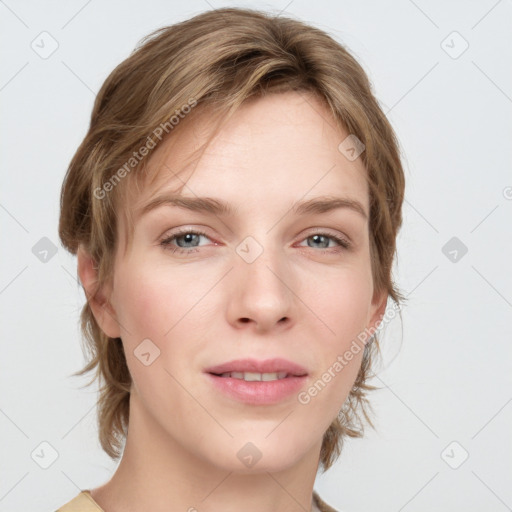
(274, 151)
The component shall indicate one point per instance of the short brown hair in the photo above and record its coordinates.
(218, 60)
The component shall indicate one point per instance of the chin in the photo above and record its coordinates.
(255, 454)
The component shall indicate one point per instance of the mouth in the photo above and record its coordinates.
(258, 382)
(253, 369)
(254, 376)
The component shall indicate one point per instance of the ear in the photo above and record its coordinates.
(98, 299)
(377, 309)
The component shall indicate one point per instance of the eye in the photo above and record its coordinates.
(323, 240)
(186, 241)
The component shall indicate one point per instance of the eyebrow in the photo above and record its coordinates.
(320, 204)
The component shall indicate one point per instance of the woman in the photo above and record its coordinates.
(234, 209)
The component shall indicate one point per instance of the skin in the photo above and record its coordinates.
(304, 299)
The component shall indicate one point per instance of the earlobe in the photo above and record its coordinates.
(98, 298)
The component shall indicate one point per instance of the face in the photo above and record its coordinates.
(263, 280)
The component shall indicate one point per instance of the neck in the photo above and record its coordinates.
(158, 473)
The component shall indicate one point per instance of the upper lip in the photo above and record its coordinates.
(253, 365)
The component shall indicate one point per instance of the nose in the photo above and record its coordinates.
(261, 296)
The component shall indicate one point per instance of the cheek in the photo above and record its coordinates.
(342, 302)
(149, 303)
(163, 307)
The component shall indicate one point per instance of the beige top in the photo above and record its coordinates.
(83, 502)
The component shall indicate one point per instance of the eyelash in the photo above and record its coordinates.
(166, 243)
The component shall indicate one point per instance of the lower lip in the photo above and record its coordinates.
(258, 392)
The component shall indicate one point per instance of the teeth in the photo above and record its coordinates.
(252, 376)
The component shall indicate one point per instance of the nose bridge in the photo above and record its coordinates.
(262, 293)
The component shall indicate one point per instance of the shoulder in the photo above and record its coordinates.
(321, 505)
(83, 502)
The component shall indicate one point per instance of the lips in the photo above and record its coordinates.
(256, 382)
(277, 365)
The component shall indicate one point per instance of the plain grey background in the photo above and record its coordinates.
(442, 73)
